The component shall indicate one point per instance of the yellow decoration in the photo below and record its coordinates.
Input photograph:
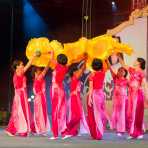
(103, 46)
(57, 47)
(44, 46)
(75, 50)
(99, 47)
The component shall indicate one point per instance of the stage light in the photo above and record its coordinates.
(114, 6)
(33, 23)
(113, 3)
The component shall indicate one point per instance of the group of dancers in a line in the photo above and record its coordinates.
(68, 115)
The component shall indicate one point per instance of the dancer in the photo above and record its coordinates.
(113, 62)
(96, 100)
(74, 68)
(58, 97)
(20, 120)
(41, 121)
(119, 100)
(137, 85)
(73, 125)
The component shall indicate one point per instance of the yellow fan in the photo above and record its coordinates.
(57, 48)
(75, 50)
(43, 46)
(99, 47)
(104, 46)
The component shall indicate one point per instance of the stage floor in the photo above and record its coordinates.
(110, 140)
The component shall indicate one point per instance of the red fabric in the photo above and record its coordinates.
(98, 79)
(58, 100)
(60, 73)
(75, 108)
(136, 102)
(20, 121)
(19, 81)
(94, 131)
(40, 107)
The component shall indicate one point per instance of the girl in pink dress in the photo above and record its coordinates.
(58, 97)
(73, 125)
(20, 120)
(41, 121)
(96, 100)
(119, 100)
(137, 83)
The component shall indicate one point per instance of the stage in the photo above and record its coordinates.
(110, 140)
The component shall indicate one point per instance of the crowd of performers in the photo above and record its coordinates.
(82, 105)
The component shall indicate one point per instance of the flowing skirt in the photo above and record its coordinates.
(41, 120)
(20, 120)
(136, 112)
(119, 113)
(96, 114)
(77, 121)
(58, 102)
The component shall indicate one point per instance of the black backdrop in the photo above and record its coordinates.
(63, 19)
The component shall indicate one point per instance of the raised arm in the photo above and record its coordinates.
(111, 70)
(47, 66)
(81, 70)
(123, 63)
(28, 65)
(90, 90)
(90, 93)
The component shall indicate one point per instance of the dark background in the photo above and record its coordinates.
(55, 19)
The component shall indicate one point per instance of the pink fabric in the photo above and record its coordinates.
(41, 120)
(136, 103)
(73, 124)
(84, 129)
(119, 104)
(58, 100)
(96, 114)
(20, 120)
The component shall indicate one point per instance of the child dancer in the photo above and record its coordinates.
(20, 120)
(119, 100)
(41, 120)
(58, 98)
(73, 125)
(96, 100)
(137, 85)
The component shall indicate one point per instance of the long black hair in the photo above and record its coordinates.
(142, 63)
(15, 64)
